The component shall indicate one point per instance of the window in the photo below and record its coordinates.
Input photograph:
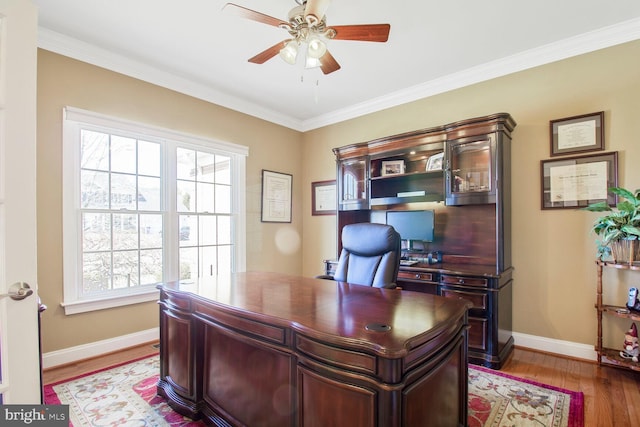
(143, 205)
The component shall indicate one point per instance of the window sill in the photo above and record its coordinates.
(111, 302)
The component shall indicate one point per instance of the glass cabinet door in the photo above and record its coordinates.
(353, 184)
(471, 171)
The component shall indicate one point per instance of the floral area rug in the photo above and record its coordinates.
(125, 395)
(500, 400)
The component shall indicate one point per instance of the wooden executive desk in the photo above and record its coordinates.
(268, 349)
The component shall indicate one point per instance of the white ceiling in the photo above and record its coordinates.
(191, 46)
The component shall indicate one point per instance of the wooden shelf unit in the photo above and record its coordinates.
(609, 356)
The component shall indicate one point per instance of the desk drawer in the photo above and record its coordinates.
(478, 299)
(343, 358)
(416, 275)
(241, 325)
(463, 281)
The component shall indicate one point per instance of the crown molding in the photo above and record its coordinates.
(85, 52)
(573, 46)
(584, 43)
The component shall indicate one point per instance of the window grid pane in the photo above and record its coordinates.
(204, 191)
(97, 272)
(125, 269)
(116, 235)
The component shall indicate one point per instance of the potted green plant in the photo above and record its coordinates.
(620, 228)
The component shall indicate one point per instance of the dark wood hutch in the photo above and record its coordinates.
(462, 172)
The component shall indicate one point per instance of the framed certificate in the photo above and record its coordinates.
(323, 198)
(577, 134)
(576, 182)
(276, 196)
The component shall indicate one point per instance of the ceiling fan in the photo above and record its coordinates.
(308, 29)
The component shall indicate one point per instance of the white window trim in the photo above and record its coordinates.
(72, 118)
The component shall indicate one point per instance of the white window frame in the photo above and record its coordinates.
(73, 120)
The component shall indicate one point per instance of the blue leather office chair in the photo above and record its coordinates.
(370, 255)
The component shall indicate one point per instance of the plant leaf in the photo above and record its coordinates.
(629, 229)
(612, 235)
(625, 194)
(598, 207)
(626, 207)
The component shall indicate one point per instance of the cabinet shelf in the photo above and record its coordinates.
(611, 357)
(621, 265)
(381, 201)
(614, 311)
(412, 187)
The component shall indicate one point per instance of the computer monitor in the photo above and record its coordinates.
(413, 226)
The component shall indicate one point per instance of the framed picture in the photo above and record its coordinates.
(576, 182)
(434, 163)
(276, 196)
(323, 198)
(392, 167)
(577, 134)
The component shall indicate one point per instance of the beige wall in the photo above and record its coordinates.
(66, 82)
(553, 250)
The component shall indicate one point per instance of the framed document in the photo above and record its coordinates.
(276, 196)
(577, 134)
(576, 182)
(323, 198)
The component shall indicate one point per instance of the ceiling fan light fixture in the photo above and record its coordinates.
(316, 48)
(312, 62)
(309, 33)
(289, 52)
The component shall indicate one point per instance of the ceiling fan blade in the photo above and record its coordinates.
(269, 53)
(243, 12)
(366, 32)
(317, 8)
(328, 63)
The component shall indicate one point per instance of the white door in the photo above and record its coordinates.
(19, 352)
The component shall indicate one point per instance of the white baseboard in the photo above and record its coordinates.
(550, 345)
(85, 351)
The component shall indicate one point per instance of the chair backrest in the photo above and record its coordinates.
(370, 255)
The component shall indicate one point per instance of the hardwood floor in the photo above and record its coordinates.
(61, 373)
(611, 396)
